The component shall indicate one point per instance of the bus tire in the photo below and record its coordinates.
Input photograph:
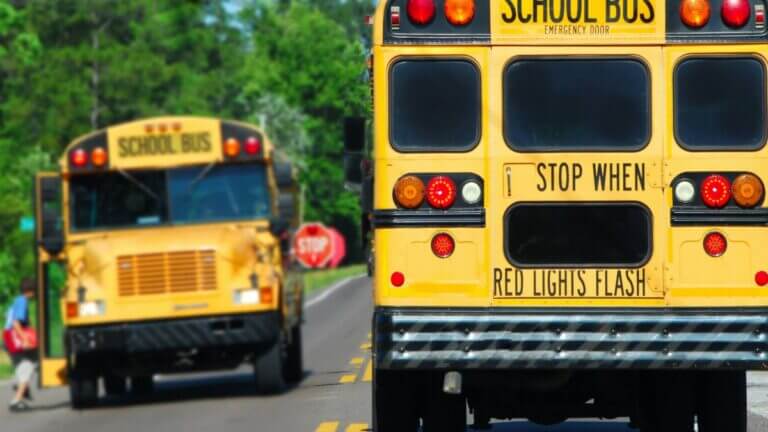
(142, 385)
(83, 391)
(444, 412)
(294, 362)
(268, 370)
(115, 385)
(722, 402)
(394, 407)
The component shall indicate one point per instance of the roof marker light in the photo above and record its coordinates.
(99, 156)
(232, 147)
(252, 146)
(460, 12)
(421, 12)
(79, 157)
(695, 13)
(735, 13)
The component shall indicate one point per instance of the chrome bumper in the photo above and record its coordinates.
(494, 339)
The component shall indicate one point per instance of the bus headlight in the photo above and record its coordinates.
(91, 309)
(247, 297)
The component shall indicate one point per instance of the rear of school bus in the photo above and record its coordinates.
(569, 211)
(159, 246)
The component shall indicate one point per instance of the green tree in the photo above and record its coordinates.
(308, 59)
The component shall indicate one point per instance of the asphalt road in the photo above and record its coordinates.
(334, 396)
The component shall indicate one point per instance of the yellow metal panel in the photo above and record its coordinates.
(53, 372)
(578, 22)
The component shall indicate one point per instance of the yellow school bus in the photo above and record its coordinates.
(162, 248)
(568, 211)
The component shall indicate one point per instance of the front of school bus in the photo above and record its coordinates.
(171, 246)
(569, 211)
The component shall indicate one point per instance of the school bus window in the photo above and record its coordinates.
(577, 104)
(180, 196)
(221, 194)
(112, 200)
(578, 234)
(434, 105)
(720, 103)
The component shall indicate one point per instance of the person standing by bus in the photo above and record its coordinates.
(23, 357)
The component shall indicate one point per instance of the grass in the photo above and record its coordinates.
(6, 369)
(319, 279)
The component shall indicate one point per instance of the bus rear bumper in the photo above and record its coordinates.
(497, 339)
(174, 335)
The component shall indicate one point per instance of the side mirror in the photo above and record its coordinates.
(354, 145)
(50, 233)
(286, 206)
(284, 175)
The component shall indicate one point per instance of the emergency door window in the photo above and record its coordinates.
(586, 104)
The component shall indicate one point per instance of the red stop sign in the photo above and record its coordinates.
(313, 245)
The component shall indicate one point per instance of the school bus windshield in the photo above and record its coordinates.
(190, 195)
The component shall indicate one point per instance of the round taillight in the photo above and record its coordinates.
(460, 12)
(471, 192)
(252, 146)
(716, 191)
(695, 13)
(99, 157)
(409, 192)
(421, 12)
(761, 278)
(397, 279)
(441, 192)
(747, 190)
(715, 244)
(735, 13)
(232, 147)
(79, 157)
(443, 245)
(685, 191)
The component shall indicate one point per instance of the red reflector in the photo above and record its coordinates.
(252, 146)
(715, 244)
(443, 245)
(441, 192)
(761, 278)
(265, 295)
(421, 12)
(397, 279)
(72, 310)
(716, 191)
(735, 13)
(79, 157)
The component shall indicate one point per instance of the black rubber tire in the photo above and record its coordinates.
(444, 412)
(722, 401)
(294, 362)
(268, 370)
(83, 391)
(394, 405)
(142, 385)
(115, 385)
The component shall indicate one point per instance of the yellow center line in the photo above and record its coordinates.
(357, 427)
(328, 427)
(368, 374)
(347, 379)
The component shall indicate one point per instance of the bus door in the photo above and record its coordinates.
(51, 278)
(576, 212)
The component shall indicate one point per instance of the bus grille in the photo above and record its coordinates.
(164, 273)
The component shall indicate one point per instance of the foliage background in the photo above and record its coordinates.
(68, 67)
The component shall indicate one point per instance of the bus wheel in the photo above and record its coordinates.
(83, 391)
(268, 370)
(394, 407)
(294, 363)
(722, 402)
(114, 385)
(444, 412)
(142, 385)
